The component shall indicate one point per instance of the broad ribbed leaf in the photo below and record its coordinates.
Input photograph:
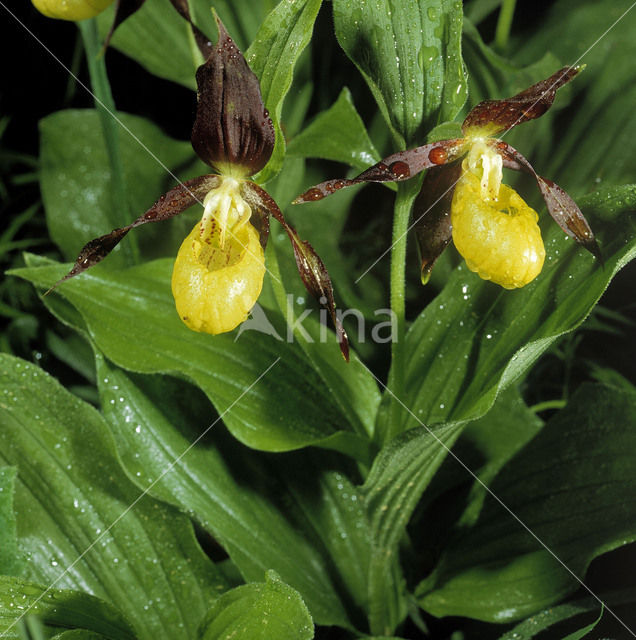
(259, 611)
(592, 150)
(160, 40)
(410, 55)
(475, 338)
(76, 185)
(399, 475)
(273, 55)
(83, 524)
(11, 560)
(336, 134)
(539, 622)
(58, 608)
(263, 388)
(573, 487)
(156, 425)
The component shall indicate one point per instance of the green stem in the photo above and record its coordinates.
(504, 23)
(105, 106)
(406, 193)
(547, 405)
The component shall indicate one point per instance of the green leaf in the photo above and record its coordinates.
(591, 151)
(131, 317)
(76, 183)
(11, 561)
(572, 488)
(273, 56)
(337, 134)
(78, 634)
(244, 517)
(160, 40)
(259, 611)
(581, 633)
(410, 58)
(475, 338)
(58, 608)
(541, 621)
(83, 524)
(400, 473)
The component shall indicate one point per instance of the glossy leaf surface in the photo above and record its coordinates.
(11, 560)
(144, 334)
(261, 611)
(410, 57)
(76, 186)
(87, 527)
(474, 339)
(273, 56)
(571, 487)
(58, 608)
(337, 133)
(158, 428)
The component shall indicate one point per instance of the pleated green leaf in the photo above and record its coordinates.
(476, 338)
(259, 611)
(76, 183)
(400, 473)
(158, 429)
(273, 55)
(83, 524)
(410, 55)
(11, 559)
(268, 396)
(58, 608)
(573, 488)
(337, 134)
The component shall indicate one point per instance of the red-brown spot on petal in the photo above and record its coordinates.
(312, 194)
(400, 169)
(437, 155)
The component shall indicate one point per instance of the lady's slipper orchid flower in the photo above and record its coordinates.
(219, 269)
(492, 227)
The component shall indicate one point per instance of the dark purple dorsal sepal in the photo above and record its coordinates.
(232, 132)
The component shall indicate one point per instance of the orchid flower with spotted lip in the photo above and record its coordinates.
(220, 267)
(492, 227)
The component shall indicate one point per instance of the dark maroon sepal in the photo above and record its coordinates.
(171, 204)
(395, 168)
(495, 116)
(311, 268)
(431, 215)
(562, 208)
(232, 130)
(123, 10)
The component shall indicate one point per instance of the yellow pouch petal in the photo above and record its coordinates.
(499, 238)
(71, 9)
(215, 288)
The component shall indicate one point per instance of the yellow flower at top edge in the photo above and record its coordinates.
(493, 229)
(219, 270)
(71, 9)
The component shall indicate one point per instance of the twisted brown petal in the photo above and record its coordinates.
(431, 213)
(562, 208)
(395, 168)
(232, 131)
(495, 116)
(171, 204)
(311, 268)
